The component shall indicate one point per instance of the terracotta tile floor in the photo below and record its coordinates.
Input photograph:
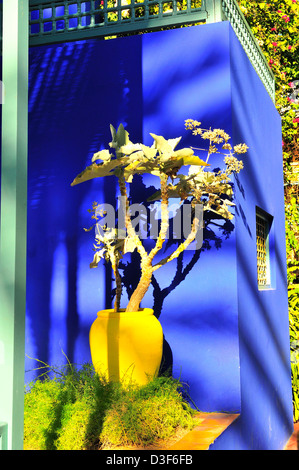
(210, 427)
(214, 424)
(293, 443)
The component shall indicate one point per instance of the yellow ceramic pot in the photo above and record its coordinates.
(126, 345)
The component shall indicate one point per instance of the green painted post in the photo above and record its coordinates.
(13, 220)
(215, 11)
(3, 436)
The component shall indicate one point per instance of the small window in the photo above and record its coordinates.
(263, 224)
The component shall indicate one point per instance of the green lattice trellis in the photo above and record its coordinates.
(69, 20)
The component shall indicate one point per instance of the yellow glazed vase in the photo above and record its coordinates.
(126, 346)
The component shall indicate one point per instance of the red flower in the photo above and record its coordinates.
(274, 44)
(296, 120)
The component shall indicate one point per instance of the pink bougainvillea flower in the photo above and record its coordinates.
(274, 44)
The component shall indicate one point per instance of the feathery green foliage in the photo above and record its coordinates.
(78, 410)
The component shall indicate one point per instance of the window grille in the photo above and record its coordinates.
(262, 248)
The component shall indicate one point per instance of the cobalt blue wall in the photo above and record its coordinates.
(76, 90)
(266, 420)
(186, 74)
(204, 300)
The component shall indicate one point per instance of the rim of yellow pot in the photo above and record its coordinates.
(122, 313)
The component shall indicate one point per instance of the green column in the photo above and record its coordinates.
(13, 219)
(214, 9)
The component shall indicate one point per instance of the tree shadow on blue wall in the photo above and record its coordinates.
(71, 104)
(215, 230)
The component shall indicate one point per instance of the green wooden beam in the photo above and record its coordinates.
(13, 219)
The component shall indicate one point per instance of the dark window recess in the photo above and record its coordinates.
(263, 224)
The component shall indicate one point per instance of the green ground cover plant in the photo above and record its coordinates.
(73, 408)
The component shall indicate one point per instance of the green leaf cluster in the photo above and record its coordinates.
(130, 159)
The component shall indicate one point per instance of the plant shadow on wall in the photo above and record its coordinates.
(128, 342)
(215, 231)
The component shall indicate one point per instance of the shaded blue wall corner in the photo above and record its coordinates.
(266, 420)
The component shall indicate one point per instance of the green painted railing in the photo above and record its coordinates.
(233, 14)
(69, 20)
(65, 20)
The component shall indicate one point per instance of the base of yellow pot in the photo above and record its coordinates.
(126, 346)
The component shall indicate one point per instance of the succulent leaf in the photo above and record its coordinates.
(96, 170)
